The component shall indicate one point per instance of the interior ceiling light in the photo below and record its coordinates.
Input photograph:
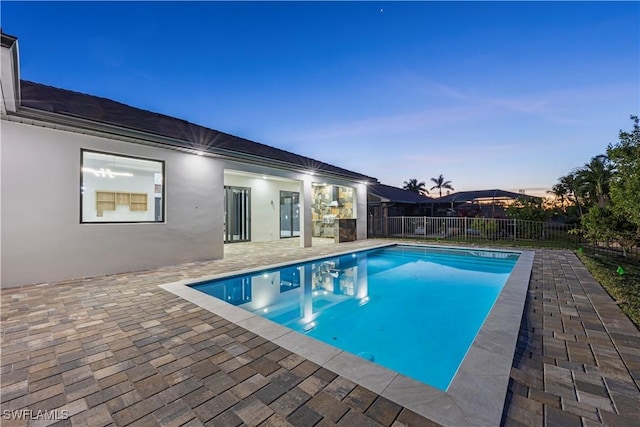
(106, 172)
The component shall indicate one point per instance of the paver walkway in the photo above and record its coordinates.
(118, 350)
(578, 356)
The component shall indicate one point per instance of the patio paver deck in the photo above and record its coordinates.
(119, 350)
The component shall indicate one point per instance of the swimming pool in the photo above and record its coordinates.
(413, 309)
(475, 396)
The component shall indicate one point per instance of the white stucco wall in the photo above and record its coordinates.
(41, 235)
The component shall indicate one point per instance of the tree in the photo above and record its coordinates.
(415, 187)
(529, 209)
(606, 225)
(570, 182)
(594, 179)
(625, 183)
(440, 183)
(609, 185)
(560, 192)
(530, 216)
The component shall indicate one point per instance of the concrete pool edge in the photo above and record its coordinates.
(475, 396)
(487, 365)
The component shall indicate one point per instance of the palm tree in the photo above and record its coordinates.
(560, 192)
(415, 187)
(593, 180)
(571, 184)
(441, 183)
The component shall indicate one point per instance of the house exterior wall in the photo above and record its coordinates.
(42, 238)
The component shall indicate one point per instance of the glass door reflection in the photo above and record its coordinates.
(289, 214)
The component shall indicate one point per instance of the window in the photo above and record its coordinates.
(117, 188)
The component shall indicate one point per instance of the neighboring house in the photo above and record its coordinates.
(479, 203)
(395, 201)
(385, 201)
(91, 186)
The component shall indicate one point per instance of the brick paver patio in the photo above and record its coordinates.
(578, 356)
(118, 350)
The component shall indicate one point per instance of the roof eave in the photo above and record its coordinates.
(77, 124)
(11, 44)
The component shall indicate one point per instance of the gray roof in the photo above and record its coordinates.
(466, 196)
(175, 132)
(394, 194)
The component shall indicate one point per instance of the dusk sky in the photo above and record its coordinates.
(508, 95)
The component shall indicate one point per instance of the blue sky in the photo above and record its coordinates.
(507, 95)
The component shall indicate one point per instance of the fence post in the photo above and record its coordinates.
(424, 227)
(465, 228)
(402, 228)
(515, 228)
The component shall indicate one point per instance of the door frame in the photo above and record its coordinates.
(237, 214)
(283, 193)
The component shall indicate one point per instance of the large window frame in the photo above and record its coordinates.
(128, 202)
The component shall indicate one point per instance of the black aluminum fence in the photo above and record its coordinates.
(609, 248)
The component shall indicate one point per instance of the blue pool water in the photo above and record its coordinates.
(413, 309)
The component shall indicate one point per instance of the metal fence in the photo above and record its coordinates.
(474, 229)
(465, 229)
(609, 248)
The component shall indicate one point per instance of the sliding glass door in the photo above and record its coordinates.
(289, 214)
(237, 214)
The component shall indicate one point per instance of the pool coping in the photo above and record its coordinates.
(477, 392)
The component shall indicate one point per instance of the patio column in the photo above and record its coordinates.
(361, 212)
(306, 226)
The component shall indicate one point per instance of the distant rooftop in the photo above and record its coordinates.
(388, 193)
(465, 196)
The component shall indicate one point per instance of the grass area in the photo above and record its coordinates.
(625, 288)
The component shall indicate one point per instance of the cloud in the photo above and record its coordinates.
(393, 124)
(458, 107)
(444, 155)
